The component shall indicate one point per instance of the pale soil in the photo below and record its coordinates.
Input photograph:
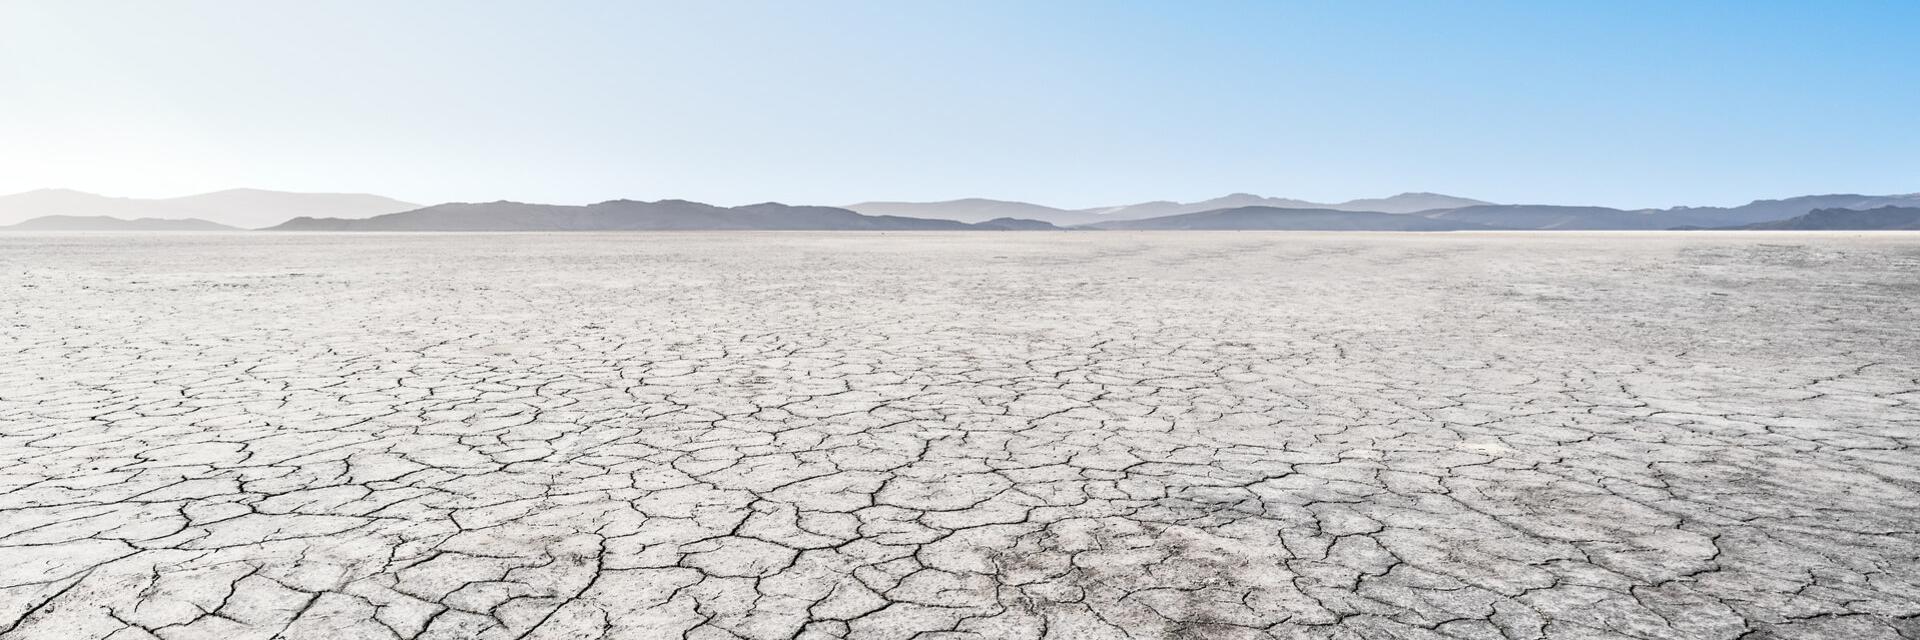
(969, 435)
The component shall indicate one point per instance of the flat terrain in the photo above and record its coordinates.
(970, 435)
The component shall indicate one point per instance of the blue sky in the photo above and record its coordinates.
(1618, 103)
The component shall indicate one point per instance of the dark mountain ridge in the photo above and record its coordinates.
(1766, 210)
(1880, 219)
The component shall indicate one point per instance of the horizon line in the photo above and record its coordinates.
(428, 202)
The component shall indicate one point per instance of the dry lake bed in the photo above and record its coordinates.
(970, 435)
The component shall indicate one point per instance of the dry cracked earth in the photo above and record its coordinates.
(944, 436)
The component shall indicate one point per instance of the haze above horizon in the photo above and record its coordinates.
(1076, 104)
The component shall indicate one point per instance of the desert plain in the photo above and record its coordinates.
(1089, 435)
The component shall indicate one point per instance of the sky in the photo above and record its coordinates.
(1619, 102)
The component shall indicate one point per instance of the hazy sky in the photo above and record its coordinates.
(1616, 102)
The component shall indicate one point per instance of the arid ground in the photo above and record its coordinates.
(969, 435)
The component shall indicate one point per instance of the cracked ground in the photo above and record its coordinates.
(944, 436)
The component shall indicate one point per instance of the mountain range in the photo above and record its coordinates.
(977, 209)
(109, 223)
(1878, 219)
(1266, 218)
(1403, 203)
(65, 210)
(244, 208)
(1559, 218)
(632, 215)
(1769, 210)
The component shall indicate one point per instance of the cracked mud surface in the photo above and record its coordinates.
(1063, 435)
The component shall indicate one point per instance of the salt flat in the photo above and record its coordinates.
(969, 435)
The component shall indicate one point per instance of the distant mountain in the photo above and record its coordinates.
(976, 210)
(1881, 219)
(1290, 219)
(1139, 211)
(1766, 210)
(106, 223)
(1016, 224)
(624, 215)
(1408, 203)
(1465, 209)
(247, 208)
(1163, 208)
(1558, 218)
(1403, 203)
(254, 208)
